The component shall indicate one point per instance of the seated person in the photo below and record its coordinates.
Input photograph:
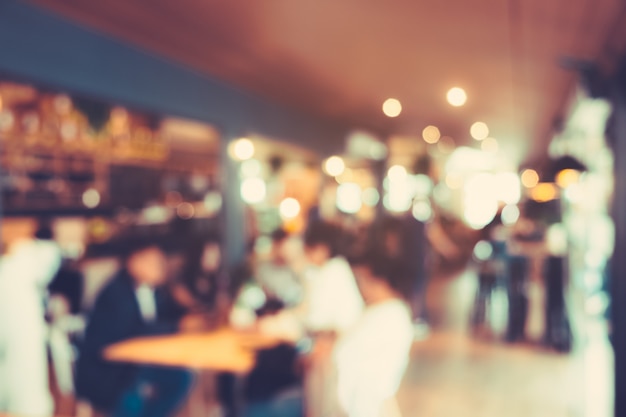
(371, 357)
(332, 302)
(133, 304)
(277, 278)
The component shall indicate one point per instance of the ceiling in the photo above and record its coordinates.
(342, 59)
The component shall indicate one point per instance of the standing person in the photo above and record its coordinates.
(133, 304)
(26, 268)
(371, 357)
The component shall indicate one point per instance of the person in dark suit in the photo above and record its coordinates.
(133, 304)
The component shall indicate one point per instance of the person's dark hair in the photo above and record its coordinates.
(279, 235)
(135, 246)
(381, 266)
(324, 233)
(44, 230)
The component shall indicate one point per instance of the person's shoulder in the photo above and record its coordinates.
(119, 284)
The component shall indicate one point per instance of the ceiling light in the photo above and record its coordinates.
(242, 149)
(479, 131)
(289, 208)
(392, 107)
(489, 145)
(334, 166)
(431, 134)
(530, 178)
(456, 96)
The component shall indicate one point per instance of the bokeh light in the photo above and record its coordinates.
(481, 200)
(349, 199)
(530, 178)
(251, 168)
(253, 190)
(370, 197)
(567, 177)
(479, 131)
(392, 107)
(91, 198)
(483, 250)
(241, 149)
(334, 166)
(543, 192)
(510, 214)
(431, 134)
(456, 96)
(397, 173)
(490, 145)
(508, 187)
(422, 211)
(289, 208)
(446, 145)
(185, 210)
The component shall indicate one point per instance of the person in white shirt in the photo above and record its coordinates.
(371, 357)
(333, 301)
(25, 271)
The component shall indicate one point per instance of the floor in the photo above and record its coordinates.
(455, 375)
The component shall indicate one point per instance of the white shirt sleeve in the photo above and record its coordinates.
(334, 300)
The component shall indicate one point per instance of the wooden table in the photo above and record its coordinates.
(223, 350)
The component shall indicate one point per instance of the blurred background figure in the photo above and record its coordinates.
(198, 286)
(405, 244)
(27, 266)
(371, 358)
(133, 304)
(276, 276)
(333, 301)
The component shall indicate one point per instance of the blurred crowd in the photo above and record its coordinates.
(344, 303)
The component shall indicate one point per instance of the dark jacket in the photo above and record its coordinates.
(115, 317)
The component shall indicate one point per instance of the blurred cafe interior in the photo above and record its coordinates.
(312, 209)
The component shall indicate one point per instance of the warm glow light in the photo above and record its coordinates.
(370, 197)
(489, 145)
(349, 199)
(483, 250)
(530, 178)
(479, 131)
(185, 210)
(481, 201)
(431, 134)
(241, 149)
(454, 181)
(397, 173)
(508, 187)
(253, 190)
(213, 201)
(446, 145)
(567, 177)
(334, 166)
(510, 215)
(392, 107)
(543, 192)
(456, 96)
(289, 208)
(91, 198)
(251, 168)
(422, 211)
